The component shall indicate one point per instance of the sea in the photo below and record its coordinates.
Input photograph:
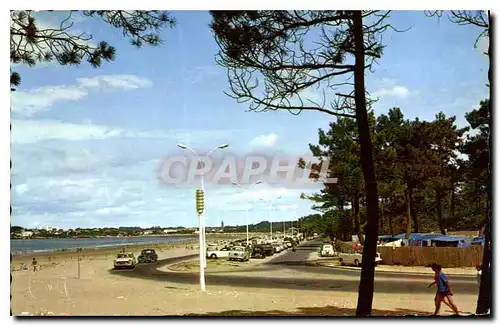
(46, 245)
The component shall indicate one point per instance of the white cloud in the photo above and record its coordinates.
(236, 197)
(41, 99)
(398, 91)
(264, 140)
(30, 102)
(389, 87)
(125, 82)
(201, 73)
(286, 208)
(132, 196)
(33, 131)
(22, 188)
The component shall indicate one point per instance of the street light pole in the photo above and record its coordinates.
(271, 221)
(270, 205)
(201, 217)
(246, 219)
(246, 205)
(283, 209)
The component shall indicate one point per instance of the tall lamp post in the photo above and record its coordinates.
(270, 206)
(201, 222)
(283, 210)
(246, 204)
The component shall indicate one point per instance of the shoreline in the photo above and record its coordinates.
(51, 257)
(97, 249)
(131, 245)
(107, 237)
(141, 236)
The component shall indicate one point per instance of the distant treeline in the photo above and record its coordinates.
(18, 232)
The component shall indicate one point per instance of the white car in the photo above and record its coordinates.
(124, 260)
(355, 259)
(327, 250)
(239, 253)
(218, 252)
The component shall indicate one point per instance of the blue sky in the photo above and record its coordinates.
(87, 143)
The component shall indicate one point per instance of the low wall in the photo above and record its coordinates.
(447, 257)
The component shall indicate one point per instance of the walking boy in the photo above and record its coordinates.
(444, 292)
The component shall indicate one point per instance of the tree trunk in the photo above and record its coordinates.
(382, 215)
(439, 213)
(357, 218)
(408, 210)
(414, 216)
(345, 236)
(484, 297)
(452, 198)
(366, 283)
(391, 228)
(452, 206)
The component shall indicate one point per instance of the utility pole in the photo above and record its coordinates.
(78, 250)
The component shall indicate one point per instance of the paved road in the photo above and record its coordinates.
(290, 270)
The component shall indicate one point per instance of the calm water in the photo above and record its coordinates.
(38, 245)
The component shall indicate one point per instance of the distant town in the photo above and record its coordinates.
(44, 232)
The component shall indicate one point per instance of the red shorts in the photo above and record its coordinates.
(441, 295)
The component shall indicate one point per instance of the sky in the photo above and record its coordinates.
(87, 143)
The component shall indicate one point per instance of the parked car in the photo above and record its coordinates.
(239, 253)
(355, 259)
(147, 256)
(216, 252)
(124, 260)
(258, 251)
(277, 248)
(327, 250)
(268, 249)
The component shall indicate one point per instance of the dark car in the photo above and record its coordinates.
(258, 251)
(148, 256)
(268, 249)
